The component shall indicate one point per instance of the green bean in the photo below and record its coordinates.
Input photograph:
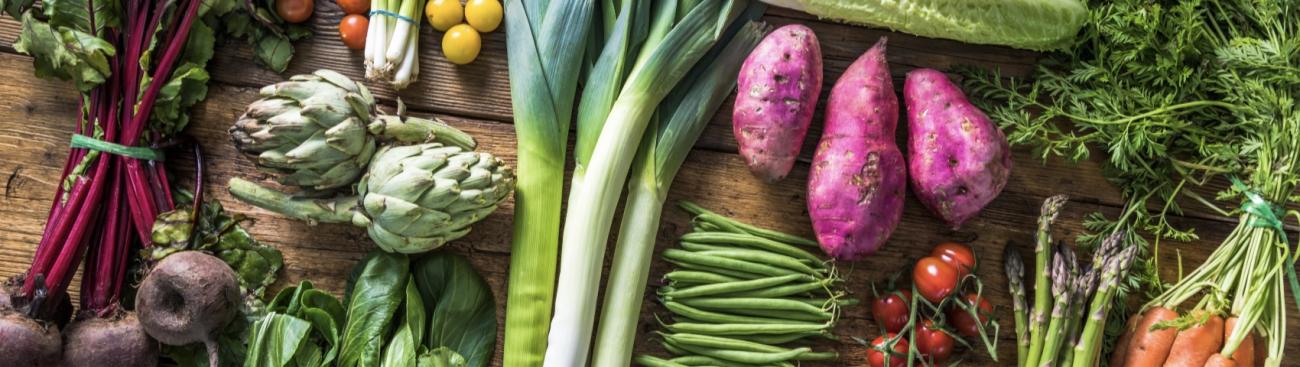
(786, 290)
(826, 302)
(694, 246)
(708, 341)
(649, 361)
(734, 239)
(766, 258)
(699, 360)
(674, 349)
(731, 287)
(734, 303)
(704, 215)
(738, 275)
(780, 339)
(743, 329)
(820, 316)
(720, 262)
(697, 277)
(749, 357)
(710, 316)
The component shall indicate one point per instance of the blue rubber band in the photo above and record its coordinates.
(392, 14)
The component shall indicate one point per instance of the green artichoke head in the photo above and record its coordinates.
(311, 129)
(416, 198)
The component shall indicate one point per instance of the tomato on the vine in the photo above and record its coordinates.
(891, 310)
(957, 255)
(353, 29)
(934, 279)
(961, 319)
(876, 355)
(933, 344)
(294, 11)
(353, 6)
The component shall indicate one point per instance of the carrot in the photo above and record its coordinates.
(1195, 345)
(1218, 360)
(1261, 353)
(1148, 348)
(1121, 346)
(1244, 356)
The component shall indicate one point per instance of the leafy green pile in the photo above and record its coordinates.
(1176, 93)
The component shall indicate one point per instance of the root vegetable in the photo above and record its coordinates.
(1122, 345)
(858, 178)
(1218, 360)
(1149, 348)
(778, 89)
(1194, 346)
(109, 342)
(25, 342)
(958, 159)
(188, 297)
(1244, 356)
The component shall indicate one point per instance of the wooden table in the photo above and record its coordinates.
(38, 116)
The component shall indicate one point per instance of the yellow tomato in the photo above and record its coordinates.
(443, 14)
(461, 44)
(483, 15)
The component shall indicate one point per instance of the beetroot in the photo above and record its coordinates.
(959, 160)
(858, 178)
(778, 88)
(188, 297)
(109, 342)
(25, 342)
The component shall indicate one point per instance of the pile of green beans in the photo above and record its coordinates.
(746, 296)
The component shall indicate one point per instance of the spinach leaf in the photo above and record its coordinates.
(401, 350)
(464, 313)
(301, 330)
(276, 339)
(441, 357)
(376, 294)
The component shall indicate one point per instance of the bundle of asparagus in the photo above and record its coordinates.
(1064, 327)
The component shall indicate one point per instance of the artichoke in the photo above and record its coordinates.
(413, 199)
(319, 130)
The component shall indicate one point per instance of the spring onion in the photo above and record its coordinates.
(392, 48)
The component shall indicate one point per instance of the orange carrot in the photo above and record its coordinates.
(1195, 345)
(1261, 353)
(1121, 347)
(1218, 360)
(1244, 356)
(1150, 347)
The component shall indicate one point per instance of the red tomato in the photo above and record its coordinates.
(934, 344)
(876, 357)
(934, 279)
(957, 255)
(294, 11)
(353, 30)
(891, 310)
(961, 319)
(353, 6)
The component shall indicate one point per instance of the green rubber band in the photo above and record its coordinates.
(86, 142)
(392, 14)
(1268, 215)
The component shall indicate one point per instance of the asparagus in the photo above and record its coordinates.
(1042, 255)
(1084, 285)
(1064, 269)
(1088, 349)
(1015, 268)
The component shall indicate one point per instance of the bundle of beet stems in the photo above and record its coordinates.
(1071, 301)
(114, 184)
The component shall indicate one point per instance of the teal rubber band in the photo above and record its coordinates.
(86, 142)
(392, 14)
(1268, 215)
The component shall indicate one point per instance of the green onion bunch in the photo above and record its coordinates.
(393, 40)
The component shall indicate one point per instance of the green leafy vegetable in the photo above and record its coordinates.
(301, 329)
(463, 318)
(375, 294)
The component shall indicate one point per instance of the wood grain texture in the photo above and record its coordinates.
(38, 116)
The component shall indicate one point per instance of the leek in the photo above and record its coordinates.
(677, 125)
(545, 42)
(669, 51)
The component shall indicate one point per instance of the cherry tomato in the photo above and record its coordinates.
(961, 319)
(957, 255)
(461, 44)
(443, 14)
(934, 344)
(483, 15)
(876, 357)
(354, 6)
(294, 11)
(934, 279)
(353, 30)
(890, 310)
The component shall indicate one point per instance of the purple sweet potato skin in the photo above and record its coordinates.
(777, 89)
(858, 178)
(959, 159)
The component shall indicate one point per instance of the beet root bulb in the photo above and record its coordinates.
(28, 343)
(188, 297)
(109, 342)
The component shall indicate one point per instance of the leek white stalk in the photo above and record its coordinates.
(677, 125)
(546, 40)
(592, 204)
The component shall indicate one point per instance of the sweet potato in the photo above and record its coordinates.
(1244, 356)
(778, 88)
(1218, 360)
(858, 178)
(1121, 346)
(1194, 345)
(958, 159)
(1149, 348)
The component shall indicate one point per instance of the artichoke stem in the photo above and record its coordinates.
(335, 210)
(418, 130)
